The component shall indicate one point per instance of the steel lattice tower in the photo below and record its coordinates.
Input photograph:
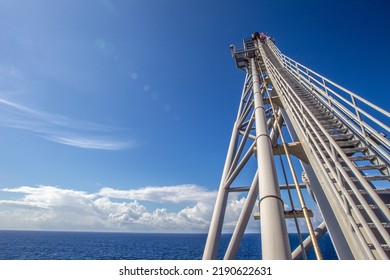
(287, 110)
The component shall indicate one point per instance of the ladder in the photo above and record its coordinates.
(340, 139)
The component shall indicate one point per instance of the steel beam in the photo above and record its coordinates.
(274, 239)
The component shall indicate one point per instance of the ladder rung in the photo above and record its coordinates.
(372, 206)
(307, 96)
(364, 167)
(317, 108)
(378, 191)
(329, 126)
(368, 178)
(329, 121)
(325, 117)
(336, 131)
(308, 100)
(342, 137)
(372, 225)
(367, 167)
(336, 136)
(346, 147)
(361, 158)
(373, 178)
(355, 150)
(348, 143)
(322, 113)
(385, 247)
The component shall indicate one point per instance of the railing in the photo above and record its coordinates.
(370, 123)
(327, 154)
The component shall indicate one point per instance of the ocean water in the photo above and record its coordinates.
(49, 245)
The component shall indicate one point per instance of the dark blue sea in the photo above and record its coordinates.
(49, 245)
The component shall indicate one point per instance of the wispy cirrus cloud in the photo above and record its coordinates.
(9, 72)
(88, 142)
(61, 129)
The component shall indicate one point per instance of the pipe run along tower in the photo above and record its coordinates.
(292, 116)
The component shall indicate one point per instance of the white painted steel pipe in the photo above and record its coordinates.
(274, 239)
(215, 230)
(243, 220)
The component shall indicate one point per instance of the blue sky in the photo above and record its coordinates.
(120, 112)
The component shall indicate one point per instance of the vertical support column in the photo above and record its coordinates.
(242, 222)
(274, 239)
(211, 247)
(215, 230)
(216, 224)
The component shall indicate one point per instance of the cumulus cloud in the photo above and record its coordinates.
(137, 210)
(49, 207)
(172, 194)
(48, 196)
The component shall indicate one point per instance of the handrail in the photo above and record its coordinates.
(330, 139)
(335, 94)
(349, 198)
(301, 113)
(341, 110)
(355, 199)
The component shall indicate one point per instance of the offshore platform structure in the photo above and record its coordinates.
(292, 116)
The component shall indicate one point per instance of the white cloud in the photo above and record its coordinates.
(91, 142)
(48, 196)
(173, 194)
(61, 129)
(48, 207)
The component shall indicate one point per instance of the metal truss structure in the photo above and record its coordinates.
(337, 138)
